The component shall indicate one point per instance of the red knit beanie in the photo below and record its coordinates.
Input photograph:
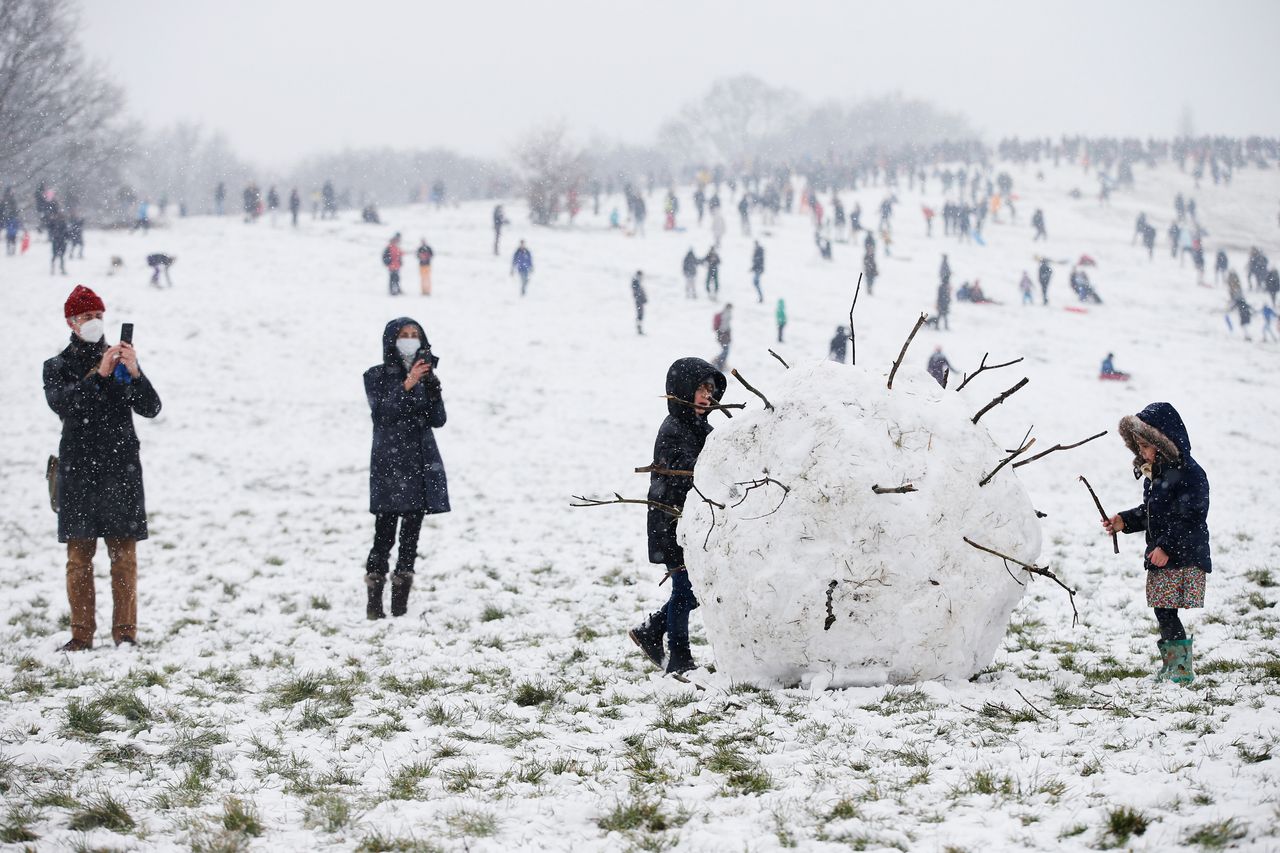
(81, 301)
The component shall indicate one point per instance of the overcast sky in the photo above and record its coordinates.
(284, 78)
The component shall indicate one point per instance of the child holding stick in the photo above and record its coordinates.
(1174, 514)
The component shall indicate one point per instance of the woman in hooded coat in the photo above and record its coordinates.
(406, 474)
(1174, 515)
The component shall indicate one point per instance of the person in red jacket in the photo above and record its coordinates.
(392, 258)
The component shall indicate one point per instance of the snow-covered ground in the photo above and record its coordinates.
(508, 710)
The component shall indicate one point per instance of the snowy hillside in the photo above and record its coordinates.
(508, 710)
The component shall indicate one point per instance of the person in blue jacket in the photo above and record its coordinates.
(522, 262)
(406, 473)
(1174, 515)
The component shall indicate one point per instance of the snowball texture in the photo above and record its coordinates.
(830, 584)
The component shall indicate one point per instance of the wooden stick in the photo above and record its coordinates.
(758, 484)
(713, 406)
(898, 490)
(619, 499)
(666, 472)
(1033, 707)
(1058, 447)
(745, 384)
(998, 400)
(853, 339)
(1035, 570)
(902, 354)
(1012, 456)
(984, 366)
(779, 358)
(712, 504)
(1115, 541)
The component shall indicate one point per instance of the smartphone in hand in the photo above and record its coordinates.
(126, 333)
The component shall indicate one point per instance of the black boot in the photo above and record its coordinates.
(400, 586)
(649, 636)
(680, 660)
(375, 582)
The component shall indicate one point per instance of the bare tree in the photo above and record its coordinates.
(58, 112)
(552, 166)
(733, 121)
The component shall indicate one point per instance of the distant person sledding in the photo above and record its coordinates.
(1083, 287)
(1109, 369)
(973, 293)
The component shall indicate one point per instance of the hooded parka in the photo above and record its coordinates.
(680, 439)
(1175, 495)
(406, 474)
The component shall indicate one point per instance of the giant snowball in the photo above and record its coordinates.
(830, 583)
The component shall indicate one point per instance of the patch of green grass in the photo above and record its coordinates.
(16, 828)
(329, 812)
(379, 843)
(404, 781)
(1261, 577)
(530, 693)
(1251, 755)
(472, 823)
(241, 817)
(85, 719)
(1122, 823)
(438, 715)
(103, 811)
(742, 776)
(460, 779)
(636, 814)
(320, 602)
(986, 783)
(127, 704)
(642, 762)
(1217, 835)
(413, 686)
(313, 717)
(492, 613)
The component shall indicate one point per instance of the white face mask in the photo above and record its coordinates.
(91, 331)
(408, 347)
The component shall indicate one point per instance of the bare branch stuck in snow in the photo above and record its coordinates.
(1035, 570)
(903, 353)
(897, 490)
(998, 400)
(715, 407)
(619, 499)
(745, 384)
(984, 366)
(1058, 447)
(853, 338)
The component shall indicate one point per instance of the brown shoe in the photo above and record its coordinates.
(74, 645)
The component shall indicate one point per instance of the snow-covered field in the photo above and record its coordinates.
(508, 710)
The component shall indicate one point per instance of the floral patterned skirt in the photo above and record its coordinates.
(1175, 587)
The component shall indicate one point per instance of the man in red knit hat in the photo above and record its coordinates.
(99, 475)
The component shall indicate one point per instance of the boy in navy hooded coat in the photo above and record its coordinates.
(680, 439)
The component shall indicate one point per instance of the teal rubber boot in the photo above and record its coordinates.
(1182, 671)
(1167, 655)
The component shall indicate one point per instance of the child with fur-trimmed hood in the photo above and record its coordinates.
(1174, 514)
